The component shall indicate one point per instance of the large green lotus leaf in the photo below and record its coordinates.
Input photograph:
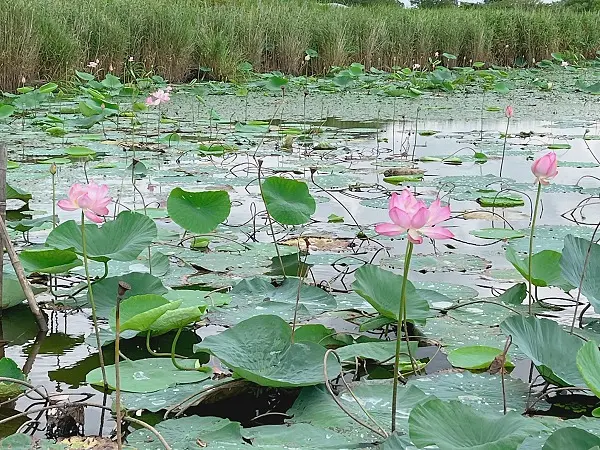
(25, 225)
(9, 369)
(474, 357)
(222, 434)
(198, 212)
(176, 318)
(490, 313)
(288, 201)
(453, 333)
(198, 299)
(298, 436)
(187, 432)
(167, 397)
(443, 262)
(315, 406)
(452, 291)
(550, 237)
(255, 296)
(573, 261)
(435, 299)
(382, 351)
(482, 392)
(260, 350)
(49, 260)
(571, 438)
(320, 334)
(13, 193)
(545, 268)
(588, 363)
(147, 375)
(6, 111)
(547, 345)
(122, 239)
(395, 442)
(255, 255)
(12, 292)
(105, 291)
(17, 442)
(381, 288)
(454, 425)
(139, 312)
(514, 295)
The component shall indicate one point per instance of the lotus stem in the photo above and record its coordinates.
(504, 146)
(157, 354)
(401, 321)
(92, 302)
(173, 355)
(530, 255)
(118, 374)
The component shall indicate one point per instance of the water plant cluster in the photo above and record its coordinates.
(260, 282)
(184, 39)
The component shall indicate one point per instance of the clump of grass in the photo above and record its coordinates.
(178, 39)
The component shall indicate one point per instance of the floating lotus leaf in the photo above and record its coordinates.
(260, 350)
(122, 239)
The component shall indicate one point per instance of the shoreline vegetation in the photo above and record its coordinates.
(185, 39)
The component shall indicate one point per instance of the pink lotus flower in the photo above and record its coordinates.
(158, 97)
(544, 168)
(91, 198)
(411, 216)
(509, 111)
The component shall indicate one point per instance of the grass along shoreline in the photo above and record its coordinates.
(183, 39)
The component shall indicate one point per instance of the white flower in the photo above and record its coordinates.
(307, 58)
(130, 59)
(92, 64)
(564, 63)
(437, 54)
(416, 66)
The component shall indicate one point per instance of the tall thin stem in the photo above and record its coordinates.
(118, 373)
(530, 255)
(504, 146)
(401, 315)
(92, 302)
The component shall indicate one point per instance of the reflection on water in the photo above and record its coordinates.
(361, 151)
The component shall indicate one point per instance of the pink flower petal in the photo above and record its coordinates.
(67, 205)
(389, 229)
(400, 217)
(419, 219)
(395, 201)
(437, 232)
(414, 237)
(85, 202)
(93, 217)
(437, 213)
